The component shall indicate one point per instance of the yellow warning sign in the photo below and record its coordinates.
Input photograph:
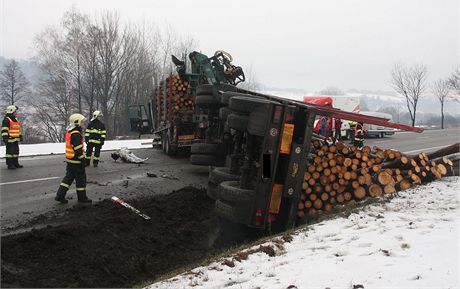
(286, 140)
(275, 200)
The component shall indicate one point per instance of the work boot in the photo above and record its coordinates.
(82, 198)
(62, 200)
(85, 200)
(95, 163)
(16, 163)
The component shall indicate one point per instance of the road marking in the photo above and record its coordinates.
(425, 149)
(29, 181)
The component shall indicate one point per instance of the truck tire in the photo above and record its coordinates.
(212, 191)
(258, 121)
(240, 213)
(222, 174)
(204, 89)
(224, 112)
(226, 96)
(205, 148)
(213, 89)
(169, 149)
(204, 160)
(246, 104)
(206, 101)
(238, 121)
(231, 192)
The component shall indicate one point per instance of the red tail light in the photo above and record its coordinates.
(259, 218)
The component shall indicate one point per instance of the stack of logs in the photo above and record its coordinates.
(181, 99)
(337, 174)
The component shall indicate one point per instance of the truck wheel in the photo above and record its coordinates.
(205, 148)
(169, 150)
(231, 192)
(224, 112)
(257, 124)
(246, 104)
(206, 101)
(212, 191)
(240, 213)
(222, 174)
(226, 96)
(238, 121)
(204, 89)
(204, 160)
(213, 89)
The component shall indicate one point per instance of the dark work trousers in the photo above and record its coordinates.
(338, 133)
(73, 172)
(12, 154)
(358, 143)
(89, 151)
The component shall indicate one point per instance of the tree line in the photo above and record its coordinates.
(92, 64)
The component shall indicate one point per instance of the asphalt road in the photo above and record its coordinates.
(28, 192)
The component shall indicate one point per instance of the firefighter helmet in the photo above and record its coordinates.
(97, 114)
(11, 108)
(76, 119)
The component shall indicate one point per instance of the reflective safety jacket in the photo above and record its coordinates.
(359, 132)
(11, 129)
(95, 132)
(74, 151)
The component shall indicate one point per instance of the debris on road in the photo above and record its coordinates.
(126, 205)
(127, 156)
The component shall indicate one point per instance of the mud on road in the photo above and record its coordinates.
(107, 245)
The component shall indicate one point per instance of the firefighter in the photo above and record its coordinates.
(11, 135)
(94, 136)
(359, 135)
(351, 132)
(75, 157)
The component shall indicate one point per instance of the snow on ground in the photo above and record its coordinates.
(59, 148)
(410, 242)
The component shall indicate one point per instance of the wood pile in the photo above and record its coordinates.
(181, 99)
(337, 173)
(172, 96)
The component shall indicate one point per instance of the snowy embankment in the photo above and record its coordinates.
(59, 148)
(411, 241)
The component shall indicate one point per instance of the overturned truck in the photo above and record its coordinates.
(266, 146)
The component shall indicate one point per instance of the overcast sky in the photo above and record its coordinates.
(299, 44)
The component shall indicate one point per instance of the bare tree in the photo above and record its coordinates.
(251, 82)
(410, 82)
(13, 84)
(454, 84)
(441, 91)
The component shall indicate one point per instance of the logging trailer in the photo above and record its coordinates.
(266, 142)
(257, 145)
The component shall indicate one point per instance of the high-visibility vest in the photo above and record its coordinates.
(69, 149)
(15, 129)
(359, 133)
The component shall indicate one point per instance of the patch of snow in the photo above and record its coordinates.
(411, 241)
(59, 148)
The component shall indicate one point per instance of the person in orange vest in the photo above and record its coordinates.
(75, 157)
(11, 135)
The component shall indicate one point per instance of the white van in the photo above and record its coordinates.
(377, 130)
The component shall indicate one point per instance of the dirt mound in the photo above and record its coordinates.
(107, 245)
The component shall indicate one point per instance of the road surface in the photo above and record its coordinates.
(28, 192)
